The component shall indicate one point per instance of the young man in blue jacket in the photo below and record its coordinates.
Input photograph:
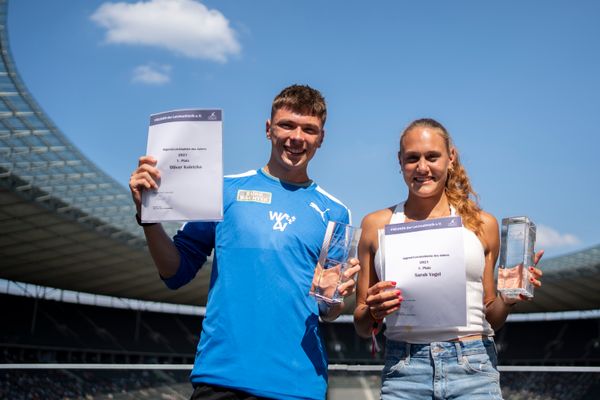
(260, 336)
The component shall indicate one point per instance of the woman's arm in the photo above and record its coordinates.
(496, 310)
(374, 300)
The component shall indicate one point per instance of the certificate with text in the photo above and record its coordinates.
(188, 145)
(426, 260)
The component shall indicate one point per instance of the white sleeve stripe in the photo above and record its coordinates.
(322, 191)
(243, 174)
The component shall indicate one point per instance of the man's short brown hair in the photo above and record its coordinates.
(301, 99)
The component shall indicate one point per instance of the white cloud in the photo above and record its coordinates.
(550, 238)
(152, 74)
(185, 27)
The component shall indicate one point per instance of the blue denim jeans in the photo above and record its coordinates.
(441, 370)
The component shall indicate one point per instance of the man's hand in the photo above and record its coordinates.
(329, 280)
(348, 281)
(145, 177)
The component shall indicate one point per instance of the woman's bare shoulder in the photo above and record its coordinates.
(489, 230)
(489, 221)
(377, 219)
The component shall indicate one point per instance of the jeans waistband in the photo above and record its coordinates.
(438, 349)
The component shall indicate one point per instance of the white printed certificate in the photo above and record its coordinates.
(188, 145)
(426, 260)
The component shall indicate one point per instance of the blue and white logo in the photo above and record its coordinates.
(316, 207)
(282, 220)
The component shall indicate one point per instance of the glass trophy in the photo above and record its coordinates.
(339, 245)
(516, 255)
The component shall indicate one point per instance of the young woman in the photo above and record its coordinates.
(455, 361)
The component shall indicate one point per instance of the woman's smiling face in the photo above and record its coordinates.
(425, 160)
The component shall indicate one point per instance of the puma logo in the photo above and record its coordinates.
(316, 207)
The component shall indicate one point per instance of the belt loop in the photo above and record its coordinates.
(407, 347)
(459, 355)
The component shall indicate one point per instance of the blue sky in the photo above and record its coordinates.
(515, 82)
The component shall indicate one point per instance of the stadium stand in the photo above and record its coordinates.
(51, 331)
(47, 331)
(569, 342)
(548, 385)
(77, 384)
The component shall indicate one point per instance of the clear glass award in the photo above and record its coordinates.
(339, 245)
(516, 255)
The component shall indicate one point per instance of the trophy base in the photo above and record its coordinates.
(515, 293)
(514, 281)
(325, 299)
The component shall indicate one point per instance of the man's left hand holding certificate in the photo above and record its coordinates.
(187, 145)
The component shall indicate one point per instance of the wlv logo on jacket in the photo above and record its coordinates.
(282, 220)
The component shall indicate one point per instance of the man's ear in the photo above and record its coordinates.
(400, 159)
(322, 138)
(268, 129)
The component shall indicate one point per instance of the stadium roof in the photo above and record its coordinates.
(570, 282)
(64, 223)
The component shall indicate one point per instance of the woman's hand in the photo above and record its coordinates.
(383, 298)
(535, 274)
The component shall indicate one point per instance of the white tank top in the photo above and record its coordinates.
(476, 322)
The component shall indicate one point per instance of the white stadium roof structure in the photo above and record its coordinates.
(66, 224)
